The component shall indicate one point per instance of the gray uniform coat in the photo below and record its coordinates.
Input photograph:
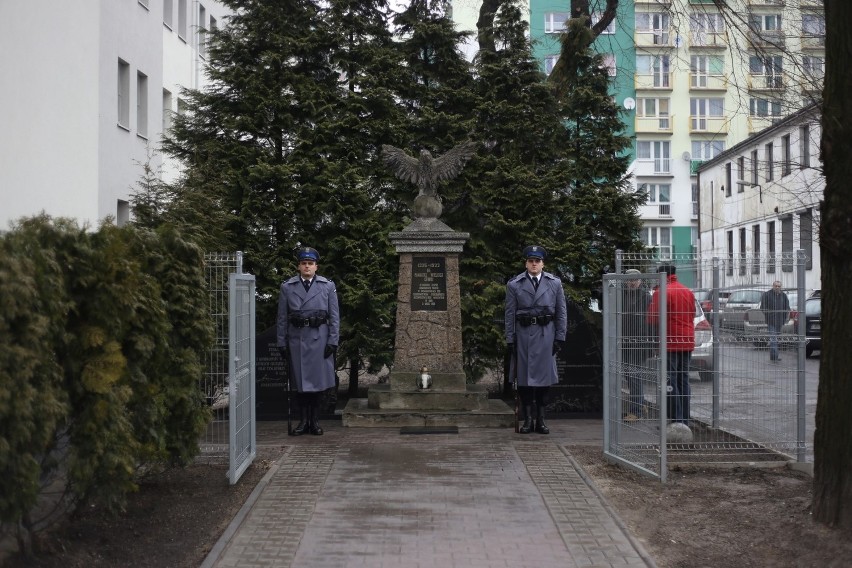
(311, 371)
(536, 363)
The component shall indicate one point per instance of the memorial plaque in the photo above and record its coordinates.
(270, 377)
(428, 284)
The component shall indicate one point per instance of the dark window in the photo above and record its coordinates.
(806, 237)
(755, 249)
(770, 244)
(728, 179)
(770, 162)
(730, 270)
(742, 251)
(785, 155)
(787, 244)
(804, 146)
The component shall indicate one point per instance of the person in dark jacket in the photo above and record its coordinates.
(776, 311)
(680, 341)
(536, 318)
(635, 346)
(308, 333)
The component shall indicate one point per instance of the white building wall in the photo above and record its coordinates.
(49, 109)
(789, 196)
(63, 150)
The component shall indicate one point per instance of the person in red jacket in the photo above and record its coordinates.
(680, 331)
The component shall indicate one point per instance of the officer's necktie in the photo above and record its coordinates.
(534, 281)
(306, 284)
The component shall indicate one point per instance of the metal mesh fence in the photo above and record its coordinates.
(751, 392)
(217, 269)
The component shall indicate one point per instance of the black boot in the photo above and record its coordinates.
(315, 427)
(540, 426)
(302, 427)
(527, 426)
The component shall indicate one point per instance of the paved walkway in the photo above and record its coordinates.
(376, 498)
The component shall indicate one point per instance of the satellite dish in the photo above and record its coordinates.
(629, 103)
(686, 157)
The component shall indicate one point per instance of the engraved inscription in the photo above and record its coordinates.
(429, 284)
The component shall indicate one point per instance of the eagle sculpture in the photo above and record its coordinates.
(426, 172)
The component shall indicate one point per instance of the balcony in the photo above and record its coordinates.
(653, 124)
(759, 3)
(701, 82)
(708, 39)
(767, 38)
(760, 82)
(655, 38)
(813, 42)
(653, 167)
(657, 212)
(708, 124)
(758, 123)
(694, 165)
(655, 81)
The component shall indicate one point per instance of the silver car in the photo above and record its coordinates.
(738, 304)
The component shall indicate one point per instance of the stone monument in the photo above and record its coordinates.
(427, 387)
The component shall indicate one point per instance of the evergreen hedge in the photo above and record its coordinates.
(102, 337)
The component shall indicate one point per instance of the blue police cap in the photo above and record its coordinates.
(308, 253)
(535, 251)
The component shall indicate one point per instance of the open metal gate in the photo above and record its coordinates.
(241, 370)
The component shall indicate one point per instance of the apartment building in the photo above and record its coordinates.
(89, 87)
(760, 202)
(694, 81)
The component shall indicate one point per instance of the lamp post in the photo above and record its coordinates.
(757, 185)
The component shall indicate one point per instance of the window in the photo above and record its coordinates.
(695, 199)
(609, 63)
(202, 31)
(124, 94)
(806, 237)
(755, 249)
(122, 213)
(656, 66)
(813, 25)
(770, 245)
(554, 22)
(741, 174)
(728, 180)
(656, 24)
(142, 104)
(701, 109)
(814, 68)
(654, 108)
(213, 24)
(767, 71)
(742, 250)
(659, 238)
(703, 66)
(804, 146)
(754, 166)
(658, 192)
(168, 13)
(764, 107)
(707, 149)
(167, 110)
(182, 19)
(730, 239)
(550, 63)
(768, 152)
(706, 22)
(764, 22)
(658, 151)
(785, 155)
(609, 30)
(787, 243)
(181, 107)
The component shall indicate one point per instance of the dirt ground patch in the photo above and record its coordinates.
(173, 520)
(709, 517)
(703, 517)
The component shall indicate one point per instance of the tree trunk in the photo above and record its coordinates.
(832, 501)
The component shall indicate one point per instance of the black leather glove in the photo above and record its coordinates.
(330, 350)
(558, 346)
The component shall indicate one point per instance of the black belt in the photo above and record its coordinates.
(534, 320)
(308, 322)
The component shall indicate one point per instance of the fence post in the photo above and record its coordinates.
(716, 344)
(801, 399)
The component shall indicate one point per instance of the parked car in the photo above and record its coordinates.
(705, 298)
(736, 307)
(813, 325)
(702, 356)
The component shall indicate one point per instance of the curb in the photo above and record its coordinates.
(216, 552)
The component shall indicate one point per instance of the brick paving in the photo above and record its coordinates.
(480, 498)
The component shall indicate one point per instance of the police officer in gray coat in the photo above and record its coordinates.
(308, 332)
(536, 324)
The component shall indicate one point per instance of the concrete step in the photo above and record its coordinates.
(493, 414)
(387, 398)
